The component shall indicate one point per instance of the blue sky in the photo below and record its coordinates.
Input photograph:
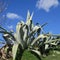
(44, 11)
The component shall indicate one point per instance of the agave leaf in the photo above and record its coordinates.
(51, 41)
(17, 34)
(14, 50)
(20, 34)
(52, 34)
(38, 32)
(43, 24)
(28, 16)
(8, 39)
(36, 52)
(53, 44)
(31, 16)
(30, 26)
(46, 46)
(8, 33)
(32, 33)
(25, 30)
(3, 29)
(29, 21)
(41, 27)
(37, 39)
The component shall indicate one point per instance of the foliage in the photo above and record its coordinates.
(29, 39)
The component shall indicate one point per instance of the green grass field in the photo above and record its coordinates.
(53, 56)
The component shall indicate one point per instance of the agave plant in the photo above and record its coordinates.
(28, 37)
(9, 38)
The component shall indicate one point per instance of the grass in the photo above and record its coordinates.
(55, 55)
(28, 56)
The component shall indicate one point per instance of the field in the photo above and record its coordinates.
(53, 56)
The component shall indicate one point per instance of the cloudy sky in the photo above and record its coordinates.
(44, 11)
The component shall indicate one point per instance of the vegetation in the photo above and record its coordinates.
(29, 42)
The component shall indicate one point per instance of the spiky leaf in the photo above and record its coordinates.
(14, 50)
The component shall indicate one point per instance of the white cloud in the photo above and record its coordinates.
(47, 4)
(13, 16)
